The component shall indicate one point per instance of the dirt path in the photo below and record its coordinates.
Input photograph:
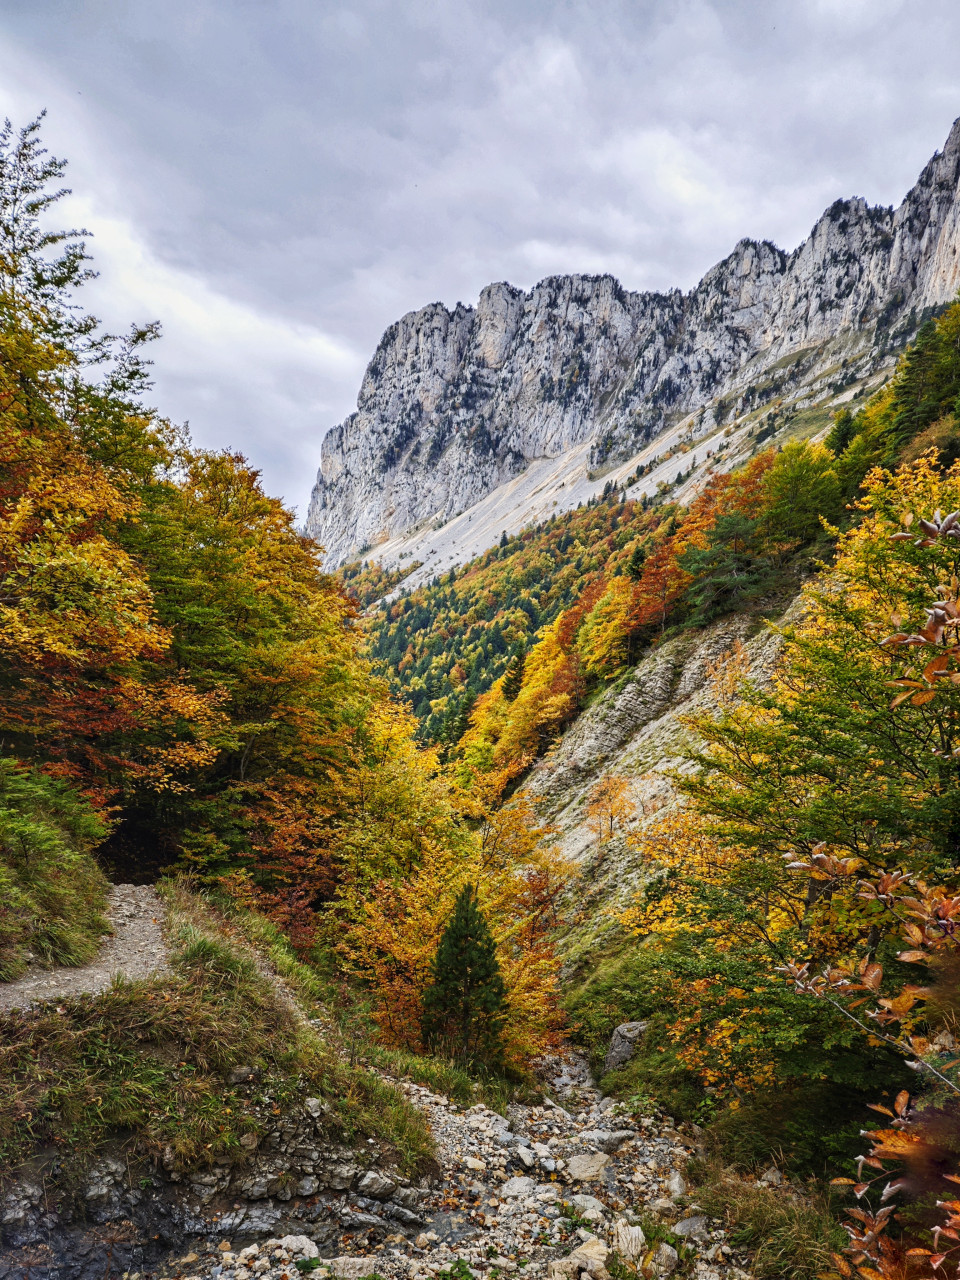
(135, 949)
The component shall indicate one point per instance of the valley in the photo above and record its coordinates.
(548, 873)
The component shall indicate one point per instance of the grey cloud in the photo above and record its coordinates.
(310, 171)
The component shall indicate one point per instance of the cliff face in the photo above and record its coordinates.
(636, 730)
(455, 403)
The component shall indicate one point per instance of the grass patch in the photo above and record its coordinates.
(148, 1063)
(432, 1073)
(790, 1236)
(52, 893)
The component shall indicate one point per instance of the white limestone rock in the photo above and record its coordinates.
(457, 402)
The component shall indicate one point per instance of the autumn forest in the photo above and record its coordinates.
(188, 696)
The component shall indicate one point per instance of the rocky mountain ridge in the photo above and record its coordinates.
(457, 404)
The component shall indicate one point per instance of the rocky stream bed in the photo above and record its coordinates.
(555, 1191)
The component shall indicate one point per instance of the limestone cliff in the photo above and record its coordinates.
(456, 403)
(636, 730)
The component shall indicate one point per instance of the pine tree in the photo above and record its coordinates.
(638, 558)
(465, 1005)
(513, 680)
(728, 572)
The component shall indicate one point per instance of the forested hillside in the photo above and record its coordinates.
(595, 587)
(182, 686)
(793, 891)
(185, 695)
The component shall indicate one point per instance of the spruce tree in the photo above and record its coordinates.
(465, 1004)
(513, 680)
(638, 558)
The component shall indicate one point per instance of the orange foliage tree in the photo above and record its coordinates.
(609, 806)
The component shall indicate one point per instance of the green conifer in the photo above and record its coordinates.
(465, 1005)
(513, 680)
(638, 558)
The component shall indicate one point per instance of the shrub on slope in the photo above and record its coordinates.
(52, 893)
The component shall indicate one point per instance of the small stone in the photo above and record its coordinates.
(587, 1167)
(772, 1177)
(587, 1204)
(422, 1241)
(314, 1107)
(590, 1256)
(308, 1186)
(251, 1251)
(514, 1188)
(346, 1268)
(526, 1157)
(301, 1245)
(375, 1185)
(225, 1246)
(477, 1166)
(664, 1261)
(676, 1186)
(249, 1141)
(628, 1241)
(694, 1228)
(188, 1258)
(408, 1197)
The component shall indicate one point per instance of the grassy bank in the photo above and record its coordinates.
(148, 1063)
(52, 893)
(342, 1007)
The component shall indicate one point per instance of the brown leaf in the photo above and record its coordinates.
(934, 665)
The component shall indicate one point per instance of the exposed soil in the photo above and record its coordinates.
(135, 949)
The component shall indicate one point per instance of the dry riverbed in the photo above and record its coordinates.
(551, 1191)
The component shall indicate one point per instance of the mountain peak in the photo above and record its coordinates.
(457, 405)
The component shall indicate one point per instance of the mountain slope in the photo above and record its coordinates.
(579, 373)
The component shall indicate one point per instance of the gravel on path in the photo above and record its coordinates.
(135, 949)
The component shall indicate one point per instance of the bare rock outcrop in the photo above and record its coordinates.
(457, 402)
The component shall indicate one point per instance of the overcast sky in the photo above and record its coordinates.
(278, 180)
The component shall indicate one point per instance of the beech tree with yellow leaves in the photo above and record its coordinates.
(609, 806)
